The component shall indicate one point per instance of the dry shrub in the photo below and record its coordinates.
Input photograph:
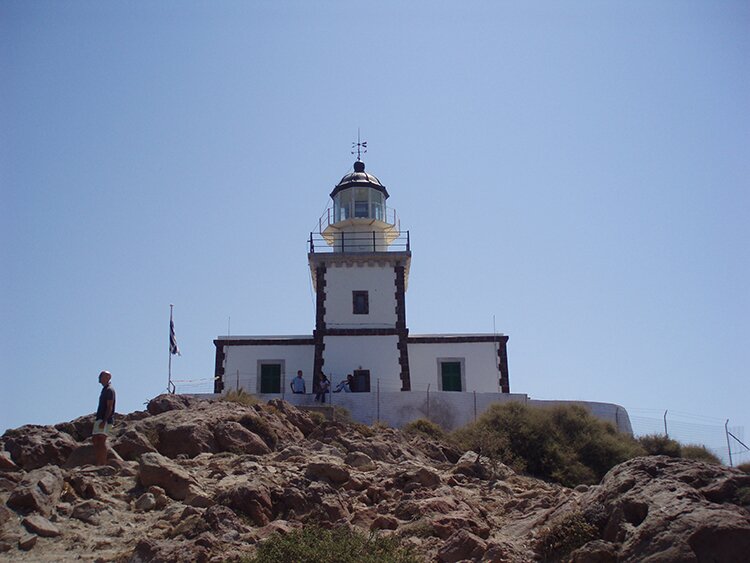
(426, 427)
(241, 398)
(564, 443)
(565, 535)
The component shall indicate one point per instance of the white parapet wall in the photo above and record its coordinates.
(450, 410)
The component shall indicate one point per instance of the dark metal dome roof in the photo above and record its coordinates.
(360, 179)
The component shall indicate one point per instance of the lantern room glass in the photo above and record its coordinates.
(361, 203)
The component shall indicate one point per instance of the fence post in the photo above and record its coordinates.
(475, 405)
(428, 402)
(238, 381)
(729, 444)
(374, 248)
(666, 433)
(378, 416)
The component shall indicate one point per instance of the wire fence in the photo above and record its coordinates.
(724, 441)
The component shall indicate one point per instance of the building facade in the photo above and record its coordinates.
(359, 261)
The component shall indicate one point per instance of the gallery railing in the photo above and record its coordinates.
(361, 241)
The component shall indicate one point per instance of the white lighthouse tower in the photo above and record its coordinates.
(359, 261)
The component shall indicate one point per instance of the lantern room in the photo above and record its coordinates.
(360, 220)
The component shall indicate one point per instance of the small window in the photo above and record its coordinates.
(270, 377)
(450, 375)
(361, 303)
(361, 381)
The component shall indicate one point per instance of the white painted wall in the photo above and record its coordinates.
(245, 360)
(379, 354)
(480, 364)
(378, 280)
(450, 410)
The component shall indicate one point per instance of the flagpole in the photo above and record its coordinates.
(169, 349)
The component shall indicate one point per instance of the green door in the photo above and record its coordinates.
(270, 378)
(451, 374)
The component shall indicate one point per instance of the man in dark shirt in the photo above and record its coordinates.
(105, 416)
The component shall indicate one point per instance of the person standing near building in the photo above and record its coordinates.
(323, 387)
(298, 384)
(105, 417)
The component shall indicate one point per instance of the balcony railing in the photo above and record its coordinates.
(344, 213)
(362, 241)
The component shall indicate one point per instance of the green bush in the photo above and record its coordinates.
(313, 544)
(565, 535)
(565, 443)
(658, 444)
(699, 452)
(426, 427)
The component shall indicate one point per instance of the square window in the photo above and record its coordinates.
(270, 377)
(360, 303)
(450, 375)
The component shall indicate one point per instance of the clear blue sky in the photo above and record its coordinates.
(578, 170)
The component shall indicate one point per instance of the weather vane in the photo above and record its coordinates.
(360, 147)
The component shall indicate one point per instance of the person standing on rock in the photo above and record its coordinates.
(298, 383)
(105, 417)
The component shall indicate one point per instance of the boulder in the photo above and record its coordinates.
(190, 439)
(166, 403)
(425, 477)
(38, 491)
(463, 545)
(27, 542)
(155, 469)
(84, 455)
(360, 460)
(660, 507)
(447, 525)
(294, 416)
(6, 462)
(327, 468)
(85, 486)
(80, 428)
(89, 511)
(145, 502)
(249, 497)
(40, 526)
(221, 520)
(33, 446)
(233, 437)
(132, 444)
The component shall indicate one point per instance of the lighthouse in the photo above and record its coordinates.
(359, 262)
(359, 259)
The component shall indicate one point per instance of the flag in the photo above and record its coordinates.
(173, 349)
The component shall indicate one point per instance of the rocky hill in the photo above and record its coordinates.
(196, 481)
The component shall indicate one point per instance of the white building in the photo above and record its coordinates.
(359, 262)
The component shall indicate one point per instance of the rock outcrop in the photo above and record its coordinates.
(191, 480)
